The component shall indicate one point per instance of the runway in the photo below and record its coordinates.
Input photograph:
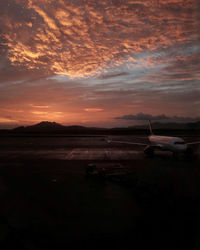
(76, 154)
(47, 199)
(77, 148)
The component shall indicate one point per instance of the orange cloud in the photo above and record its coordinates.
(93, 109)
(39, 113)
(39, 106)
(7, 120)
(82, 39)
(137, 56)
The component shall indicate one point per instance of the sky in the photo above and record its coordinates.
(105, 63)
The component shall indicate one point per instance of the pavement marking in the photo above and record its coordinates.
(76, 154)
(98, 154)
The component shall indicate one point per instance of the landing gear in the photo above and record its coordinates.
(149, 151)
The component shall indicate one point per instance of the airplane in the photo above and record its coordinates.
(175, 145)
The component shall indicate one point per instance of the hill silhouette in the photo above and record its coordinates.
(46, 126)
(53, 128)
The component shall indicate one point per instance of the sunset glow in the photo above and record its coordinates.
(90, 62)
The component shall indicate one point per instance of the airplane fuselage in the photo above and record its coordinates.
(173, 144)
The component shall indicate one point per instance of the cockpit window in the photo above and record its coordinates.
(179, 142)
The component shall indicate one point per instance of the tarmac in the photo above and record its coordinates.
(47, 202)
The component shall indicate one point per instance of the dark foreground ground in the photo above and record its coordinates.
(47, 202)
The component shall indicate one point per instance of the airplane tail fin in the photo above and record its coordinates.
(150, 127)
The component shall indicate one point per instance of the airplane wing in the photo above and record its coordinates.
(124, 142)
(193, 143)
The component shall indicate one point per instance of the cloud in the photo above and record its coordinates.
(39, 113)
(93, 109)
(107, 76)
(7, 120)
(162, 117)
(39, 106)
(127, 56)
(81, 38)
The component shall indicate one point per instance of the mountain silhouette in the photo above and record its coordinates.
(46, 126)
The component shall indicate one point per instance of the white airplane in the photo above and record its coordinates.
(164, 143)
